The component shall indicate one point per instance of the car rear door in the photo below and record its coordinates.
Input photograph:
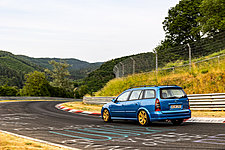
(173, 99)
(131, 106)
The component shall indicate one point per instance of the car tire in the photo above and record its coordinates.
(143, 118)
(106, 116)
(177, 122)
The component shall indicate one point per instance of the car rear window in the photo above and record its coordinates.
(172, 93)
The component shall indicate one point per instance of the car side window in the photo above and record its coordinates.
(135, 95)
(123, 97)
(149, 94)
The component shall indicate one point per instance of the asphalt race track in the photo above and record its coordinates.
(41, 120)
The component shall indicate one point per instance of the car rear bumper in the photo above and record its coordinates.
(164, 115)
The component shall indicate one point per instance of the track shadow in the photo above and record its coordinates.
(152, 124)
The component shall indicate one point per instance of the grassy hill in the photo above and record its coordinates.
(14, 67)
(204, 77)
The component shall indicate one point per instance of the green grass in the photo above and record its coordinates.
(183, 62)
(204, 77)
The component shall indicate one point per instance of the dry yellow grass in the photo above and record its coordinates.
(9, 142)
(84, 107)
(208, 114)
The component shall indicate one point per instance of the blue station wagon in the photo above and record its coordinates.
(146, 104)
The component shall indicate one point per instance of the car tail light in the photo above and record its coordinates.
(188, 104)
(157, 105)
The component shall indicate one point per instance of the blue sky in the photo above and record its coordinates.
(90, 30)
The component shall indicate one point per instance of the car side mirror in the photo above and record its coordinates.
(113, 100)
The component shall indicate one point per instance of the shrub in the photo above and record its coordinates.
(8, 91)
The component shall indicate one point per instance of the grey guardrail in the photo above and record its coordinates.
(212, 101)
(38, 98)
(97, 100)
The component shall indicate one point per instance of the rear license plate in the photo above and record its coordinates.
(175, 106)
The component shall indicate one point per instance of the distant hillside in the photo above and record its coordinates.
(79, 69)
(76, 64)
(14, 67)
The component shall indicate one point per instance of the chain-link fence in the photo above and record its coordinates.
(137, 64)
(169, 59)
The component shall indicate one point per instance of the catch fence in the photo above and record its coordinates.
(184, 56)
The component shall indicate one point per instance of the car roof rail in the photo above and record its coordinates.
(167, 85)
(143, 86)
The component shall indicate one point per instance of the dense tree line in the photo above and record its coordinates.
(37, 83)
(212, 18)
(196, 22)
(6, 90)
(41, 84)
(189, 20)
(11, 77)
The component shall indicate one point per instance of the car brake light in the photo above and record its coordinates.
(157, 105)
(188, 104)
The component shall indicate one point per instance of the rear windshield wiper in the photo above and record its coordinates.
(185, 96)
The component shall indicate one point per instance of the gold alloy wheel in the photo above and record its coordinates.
(142, 117)
(106, 115)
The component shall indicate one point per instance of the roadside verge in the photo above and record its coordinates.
(17, 142)
(59, 106)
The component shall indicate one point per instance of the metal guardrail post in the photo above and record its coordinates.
(156, 62)
(189, 47)
(156, 66)
(122, 69)
(116, 71)
(133, 64)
